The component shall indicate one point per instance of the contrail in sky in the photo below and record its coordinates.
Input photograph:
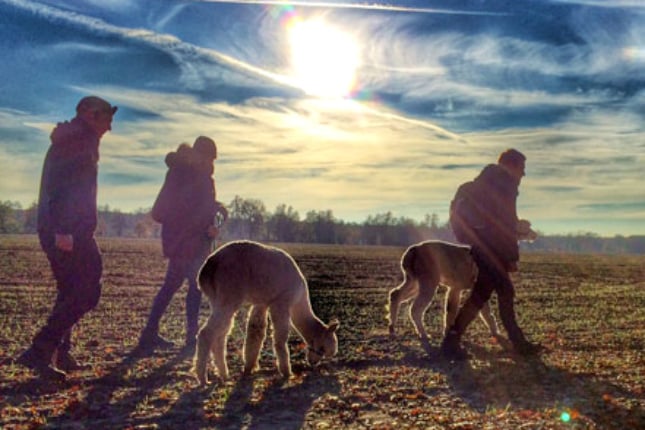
(333, 5)
(182, 52)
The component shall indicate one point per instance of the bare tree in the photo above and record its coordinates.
(283, 225)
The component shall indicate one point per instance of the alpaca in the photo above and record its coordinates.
(425, 265)
(269, 279)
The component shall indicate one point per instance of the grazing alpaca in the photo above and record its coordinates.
(425, 265)
(269, 279)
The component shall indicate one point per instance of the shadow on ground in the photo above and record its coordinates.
(121, 399)
(502, 378)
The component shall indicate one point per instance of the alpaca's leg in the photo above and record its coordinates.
(487, 316)
(255, 333)
(280, 319)
(427, 287)
(218, 347)
(405, 291)
(453, 299)
(202, 351)
(212, 338)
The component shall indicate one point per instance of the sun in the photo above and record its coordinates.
(324, 59)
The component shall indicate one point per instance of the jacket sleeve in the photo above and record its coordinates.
(204, 207)
(508, 247)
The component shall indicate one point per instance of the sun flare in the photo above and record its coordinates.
(324, 59)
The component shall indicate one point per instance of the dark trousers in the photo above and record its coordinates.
(179, 269)
(491, 278)
(78, 281)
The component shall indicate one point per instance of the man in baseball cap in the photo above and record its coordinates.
(67, 220)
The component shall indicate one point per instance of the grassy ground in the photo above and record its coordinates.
(586, 310)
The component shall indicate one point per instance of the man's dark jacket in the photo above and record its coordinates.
(483, 214)
(67, 200)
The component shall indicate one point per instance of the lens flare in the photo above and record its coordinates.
(634, 54)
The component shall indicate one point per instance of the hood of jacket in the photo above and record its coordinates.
(186, 158)
(182, 157)
(75, 136)
(499, 179)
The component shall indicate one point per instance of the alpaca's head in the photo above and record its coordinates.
(325, 345)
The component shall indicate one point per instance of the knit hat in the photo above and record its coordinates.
(511, 158)
(205, 146)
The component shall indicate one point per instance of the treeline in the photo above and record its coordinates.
(587, 243)
(249, 219)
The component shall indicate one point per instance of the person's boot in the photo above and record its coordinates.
(521, 345)
(150, 340)
(451, 348)
(526, 348)
(41, 366)
(65, 361)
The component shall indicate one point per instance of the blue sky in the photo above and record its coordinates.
(399, 103)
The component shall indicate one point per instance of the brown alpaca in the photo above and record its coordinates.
(270, 280)
(425, 265)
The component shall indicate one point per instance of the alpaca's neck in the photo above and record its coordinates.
(304, 320)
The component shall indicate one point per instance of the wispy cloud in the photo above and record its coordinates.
(442, 92)
(360, 6)
(614, 4)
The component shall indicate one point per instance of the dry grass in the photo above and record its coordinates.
(586, 310)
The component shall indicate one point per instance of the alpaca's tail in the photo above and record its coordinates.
(205, 278)
(409, 262)
(401, 292)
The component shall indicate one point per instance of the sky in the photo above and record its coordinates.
(360, 108)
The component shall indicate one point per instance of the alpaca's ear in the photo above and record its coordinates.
(333, 326)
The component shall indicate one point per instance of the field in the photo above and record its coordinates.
(586, 310)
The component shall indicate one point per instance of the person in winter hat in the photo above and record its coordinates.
(190, 218)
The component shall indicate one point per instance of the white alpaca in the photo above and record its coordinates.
(425, 265)
(270, 280)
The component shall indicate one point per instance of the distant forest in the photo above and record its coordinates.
(249, 219)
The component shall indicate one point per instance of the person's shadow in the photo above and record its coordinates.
(261, 401)
(102, 405)
(526, 383)
(279, 404)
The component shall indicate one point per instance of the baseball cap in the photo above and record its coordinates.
(95, 104)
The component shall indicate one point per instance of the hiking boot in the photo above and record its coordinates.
(527, 349)
(66, 362)
(451, 349)
(161, 343)
(42, 367)
(148, 344)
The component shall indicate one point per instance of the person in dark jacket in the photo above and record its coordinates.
(190, 218)
(67, 219)
(483, 214)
